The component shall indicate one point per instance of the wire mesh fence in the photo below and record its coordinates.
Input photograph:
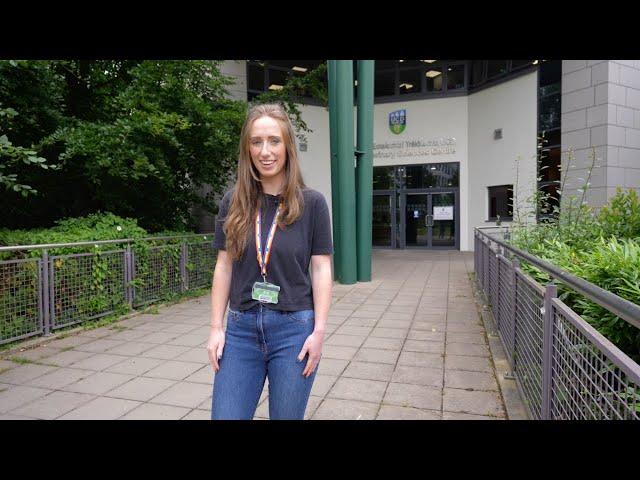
(590, 381)
(85, 286)
(199, 256)
(563, 367)
(21, 313)
(157, 273)
(41, 294)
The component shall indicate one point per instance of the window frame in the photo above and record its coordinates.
(508, 218)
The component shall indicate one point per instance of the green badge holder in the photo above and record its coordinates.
(265, 292)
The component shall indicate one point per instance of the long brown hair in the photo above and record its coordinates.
(246, 198)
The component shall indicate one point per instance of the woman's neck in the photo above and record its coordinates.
(272, 185)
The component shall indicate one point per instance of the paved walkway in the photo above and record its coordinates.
(408, 345)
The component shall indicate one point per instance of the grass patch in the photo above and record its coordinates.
(21, 360)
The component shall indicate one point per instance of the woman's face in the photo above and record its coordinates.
(266, 144)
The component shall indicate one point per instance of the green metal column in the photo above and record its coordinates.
(364, 170)
(346, 172)
(335, 199)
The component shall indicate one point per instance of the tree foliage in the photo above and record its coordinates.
(293, 93)
(135, 138)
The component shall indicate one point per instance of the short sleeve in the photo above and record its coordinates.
(219, 241)
(322, 243)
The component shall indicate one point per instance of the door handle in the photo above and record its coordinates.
(427, 222)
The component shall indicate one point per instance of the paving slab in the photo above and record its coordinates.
(140, 388)
(369, 371)
(59, 378)
(337, 409)
(151, 411)
(15, 396)
(53, 405)
(432, 377)
(24, 373)
(416, 396)
(394, 412)
(358, 389)
(475, 402)
(173, 370)
(377, 355)
(184, 394)
(196, 414)
(98, 383)
(101, 408)
(470, 380)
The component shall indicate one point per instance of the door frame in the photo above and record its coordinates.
(426, 191)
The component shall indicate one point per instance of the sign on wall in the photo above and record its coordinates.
(443, 213)
(398, 121)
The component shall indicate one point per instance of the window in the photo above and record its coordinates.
(549, 116)
(383, 178)
(477, 72)
(434, 79)
(495, 68)
(410, 81)
(384, 84)
(255, 79)
(455, 77)
(501, 202)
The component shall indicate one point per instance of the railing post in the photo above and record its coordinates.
(515, 264)
(183, 267)
(132, 274)
(550, 292)
(46, 307)
(127, 275)
(485, 267)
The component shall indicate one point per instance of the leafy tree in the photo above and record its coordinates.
(19, 82)
(136, 138)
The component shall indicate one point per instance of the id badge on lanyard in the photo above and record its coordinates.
(265, 292)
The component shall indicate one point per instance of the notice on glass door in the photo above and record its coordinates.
(443, 213)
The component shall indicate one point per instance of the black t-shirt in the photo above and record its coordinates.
(291, 252)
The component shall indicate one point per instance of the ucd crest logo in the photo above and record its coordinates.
(398, 121)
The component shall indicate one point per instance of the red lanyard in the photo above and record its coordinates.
(272, 231)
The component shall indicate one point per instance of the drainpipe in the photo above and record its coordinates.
(364, 169)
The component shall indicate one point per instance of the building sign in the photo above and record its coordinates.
(414, 148)
(398, 121)
(443, 213)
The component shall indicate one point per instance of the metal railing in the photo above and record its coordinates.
(563, 367)
(41, 294)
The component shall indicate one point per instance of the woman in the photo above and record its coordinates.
(269, 228)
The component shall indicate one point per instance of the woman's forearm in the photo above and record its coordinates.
(220, 289)
(322, 284)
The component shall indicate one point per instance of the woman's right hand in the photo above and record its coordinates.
(215, 346)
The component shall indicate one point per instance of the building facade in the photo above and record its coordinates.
(466, 143)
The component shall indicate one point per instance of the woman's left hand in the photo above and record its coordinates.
(312, 346)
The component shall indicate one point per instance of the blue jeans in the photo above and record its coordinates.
(261, 343)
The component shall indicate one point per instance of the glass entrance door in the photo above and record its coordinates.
(443, 226)
(429, 220)
(416, 225)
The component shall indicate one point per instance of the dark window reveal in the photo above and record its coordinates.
(500, 202)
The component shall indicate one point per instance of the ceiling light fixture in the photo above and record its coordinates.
(299, 69)
(427, 61)
(406, 85)
(275, 86)
(433, 73)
